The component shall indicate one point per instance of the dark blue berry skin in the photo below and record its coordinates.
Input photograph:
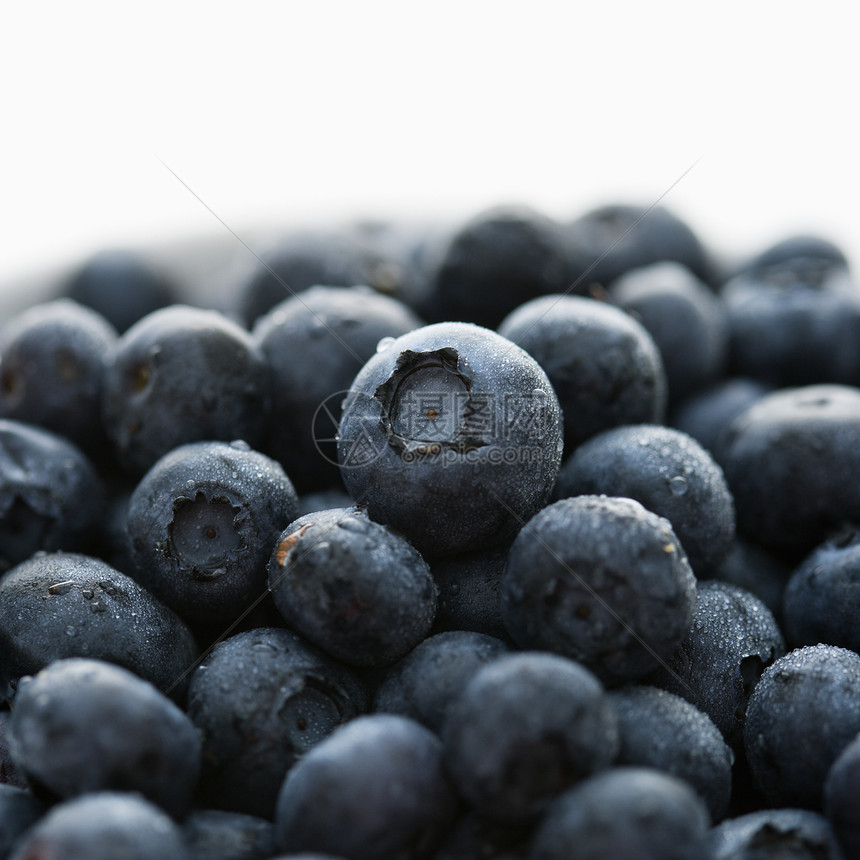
(635, 813)
(353, 587)
(792, 334)
(202, 523)
(52, 364)
(822, 598)
(706, 415)
(841, 793)
(685, 319)
(498, 260)
(50, 495)
(215, 835)
(67, 605)
(733, 638)
(667, 472)
(120, 286)
(261, 700)
(775, 833)
(803, 251)
(81, 726)
(452, 435)
(616, 238)
(660, 730)
(315, 344)
(526, 728)
(750, 567)
(338, 799)
(426, 682)
(801, 715)
(182, 375)
(602, 581)
(604, 366)
(104, 826)
(469, 592)
(19, 811)
(335, 258)
(792, 462)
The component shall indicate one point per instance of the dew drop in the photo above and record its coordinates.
(540, 396)
(70, 631)
(384, 344)
(678, 485)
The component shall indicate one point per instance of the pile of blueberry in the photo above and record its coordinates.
(513, 539)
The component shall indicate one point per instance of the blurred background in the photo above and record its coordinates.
(185, 126)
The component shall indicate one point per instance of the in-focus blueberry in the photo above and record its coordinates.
(451, 435)
(602, 581)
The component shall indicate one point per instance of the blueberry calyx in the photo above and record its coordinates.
(205, 535)
(426, 405)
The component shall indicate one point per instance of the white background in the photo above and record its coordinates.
(294, 112)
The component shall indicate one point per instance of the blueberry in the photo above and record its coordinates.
(661, 730)
(792, 462)
(685, 319)
(670, 474)
(19, 811)
(202, 523)
(121, 286)
(52, 364)
(261, 700)
(822, 598)
(338, 799)
(182, 375)
(733, 638)
(451, 435)
(353, 587)
(496, 261)
(604, 366)
(50, 495)
(618, 237)
(775, 833)
(706, 415)
(469, 591)
(306, 258)
(841, 790)
(81, 726)
(315, 343)
(801, 715)
(792, 334)
(635, 813)
(526, 728)
(214, 835)
(803, 257)
(68, 605)
(426, 682)
(104, 826)
(600, 580)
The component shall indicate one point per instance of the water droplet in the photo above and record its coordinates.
(540, 396)
(189, 484)
(70, 631)
(678, 485)
(384, 344)
(240, 445)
